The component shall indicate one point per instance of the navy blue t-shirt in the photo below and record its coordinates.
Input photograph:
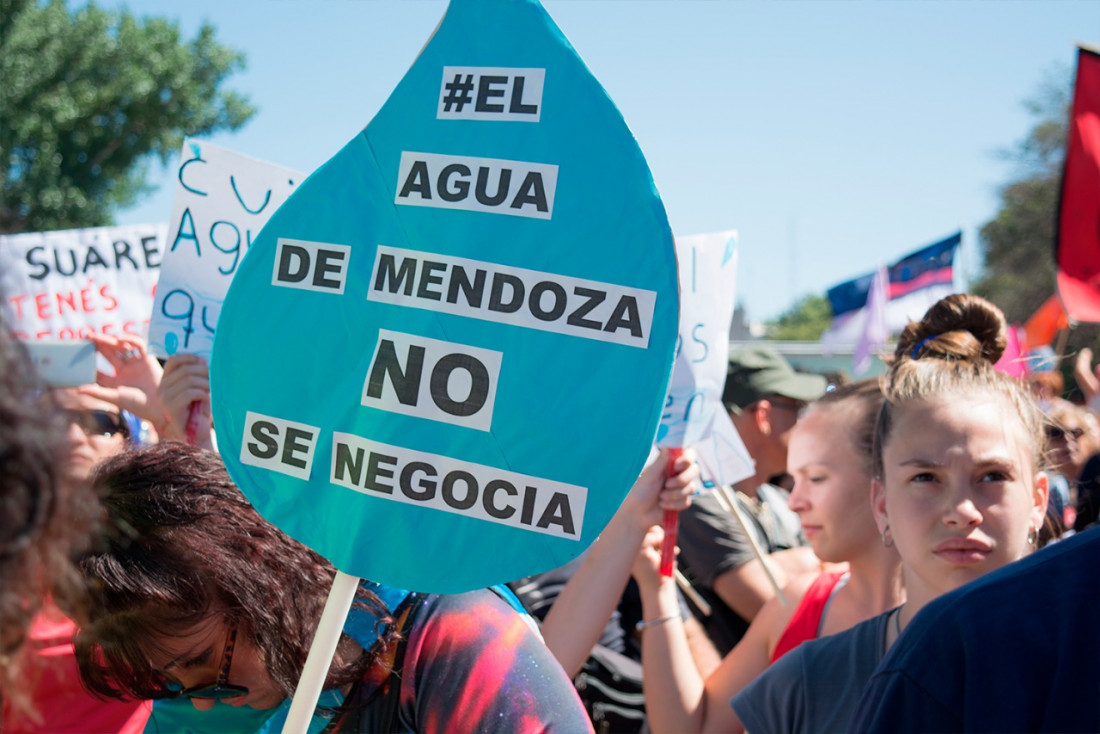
(1017, 650)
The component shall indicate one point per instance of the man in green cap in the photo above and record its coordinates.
(764, 396)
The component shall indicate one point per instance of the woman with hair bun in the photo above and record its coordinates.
(829, 458)
(958, 489)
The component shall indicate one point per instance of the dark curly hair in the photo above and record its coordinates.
(180, 546)
(39, 528)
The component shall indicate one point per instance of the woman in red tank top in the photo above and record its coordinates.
(830, 459)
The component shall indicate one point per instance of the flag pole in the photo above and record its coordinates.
(329, 628)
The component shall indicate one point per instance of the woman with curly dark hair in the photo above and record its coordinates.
(194, 596)
(39, 527)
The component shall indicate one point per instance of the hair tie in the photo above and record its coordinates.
(920, 345)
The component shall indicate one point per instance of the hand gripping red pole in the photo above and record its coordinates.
(191, 430)
(670, 522)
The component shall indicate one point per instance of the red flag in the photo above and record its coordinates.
(1045, 323)
(1077, 243)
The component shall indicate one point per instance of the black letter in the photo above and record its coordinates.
(344, 461)
(595, 298)
(535, 301)
(449, 492)
(148, 246)
(427, 487)
(428, 278)
(294, 446)
(286, 252)
(529, 495)
(123, 252)
(31, 261)
(374, 471)
(405, 383)
(479, 387)
(406, 275)
(485, 90)
(57, 262)
(503, 181)
(558, 512)
(417, 181)
(270, 445)
(462, 188)
(491, 488)
(93, 254)
(531, 192)
(323, 267)
(517, 105)
(496, 301)
(473, 291)
(625, 314)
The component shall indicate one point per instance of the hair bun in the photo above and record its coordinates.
(961, 327)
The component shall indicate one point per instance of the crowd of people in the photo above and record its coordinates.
(915, 552)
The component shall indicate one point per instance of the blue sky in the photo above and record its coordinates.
(832, 134)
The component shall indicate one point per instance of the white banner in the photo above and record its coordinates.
(69, 284)
(693, 414)
(222, 201)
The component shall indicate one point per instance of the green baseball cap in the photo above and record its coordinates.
(756, 372)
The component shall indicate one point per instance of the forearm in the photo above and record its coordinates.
(674, 689)
(578, 616)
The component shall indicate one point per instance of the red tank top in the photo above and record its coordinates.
(806, 620)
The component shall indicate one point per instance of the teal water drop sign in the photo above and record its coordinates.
(443, 360)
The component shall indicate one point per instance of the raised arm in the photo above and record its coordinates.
(679, 698)
(186, 380)
(136, 380)
(573, 625)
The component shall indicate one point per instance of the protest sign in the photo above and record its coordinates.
(443, 363)
(707, 269)
(72, 283)
(708, 276)
(222, 201)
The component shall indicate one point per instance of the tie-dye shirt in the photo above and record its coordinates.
(470, 664)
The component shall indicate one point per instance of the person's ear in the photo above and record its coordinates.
(878, 505)
(762, 414)
(1040, 495)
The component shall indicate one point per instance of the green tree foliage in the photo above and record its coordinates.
(806, 320)
(1018, 244)
(88, 98)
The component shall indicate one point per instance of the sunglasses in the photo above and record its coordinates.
(1054, 433)
(97, 422)
(221, 688)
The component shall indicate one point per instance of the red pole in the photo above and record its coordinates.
(670, 522)
(190, 432)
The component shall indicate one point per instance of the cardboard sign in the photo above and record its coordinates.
(693, 414)
(222, 201)
(708, 279)
(443, 363)
(72, 283)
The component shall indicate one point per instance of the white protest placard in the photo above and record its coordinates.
(693, 414)
(72, 283)
(222, 201)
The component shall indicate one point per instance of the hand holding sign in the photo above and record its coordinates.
(693, 415)
(222, 201)
(185, 385)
